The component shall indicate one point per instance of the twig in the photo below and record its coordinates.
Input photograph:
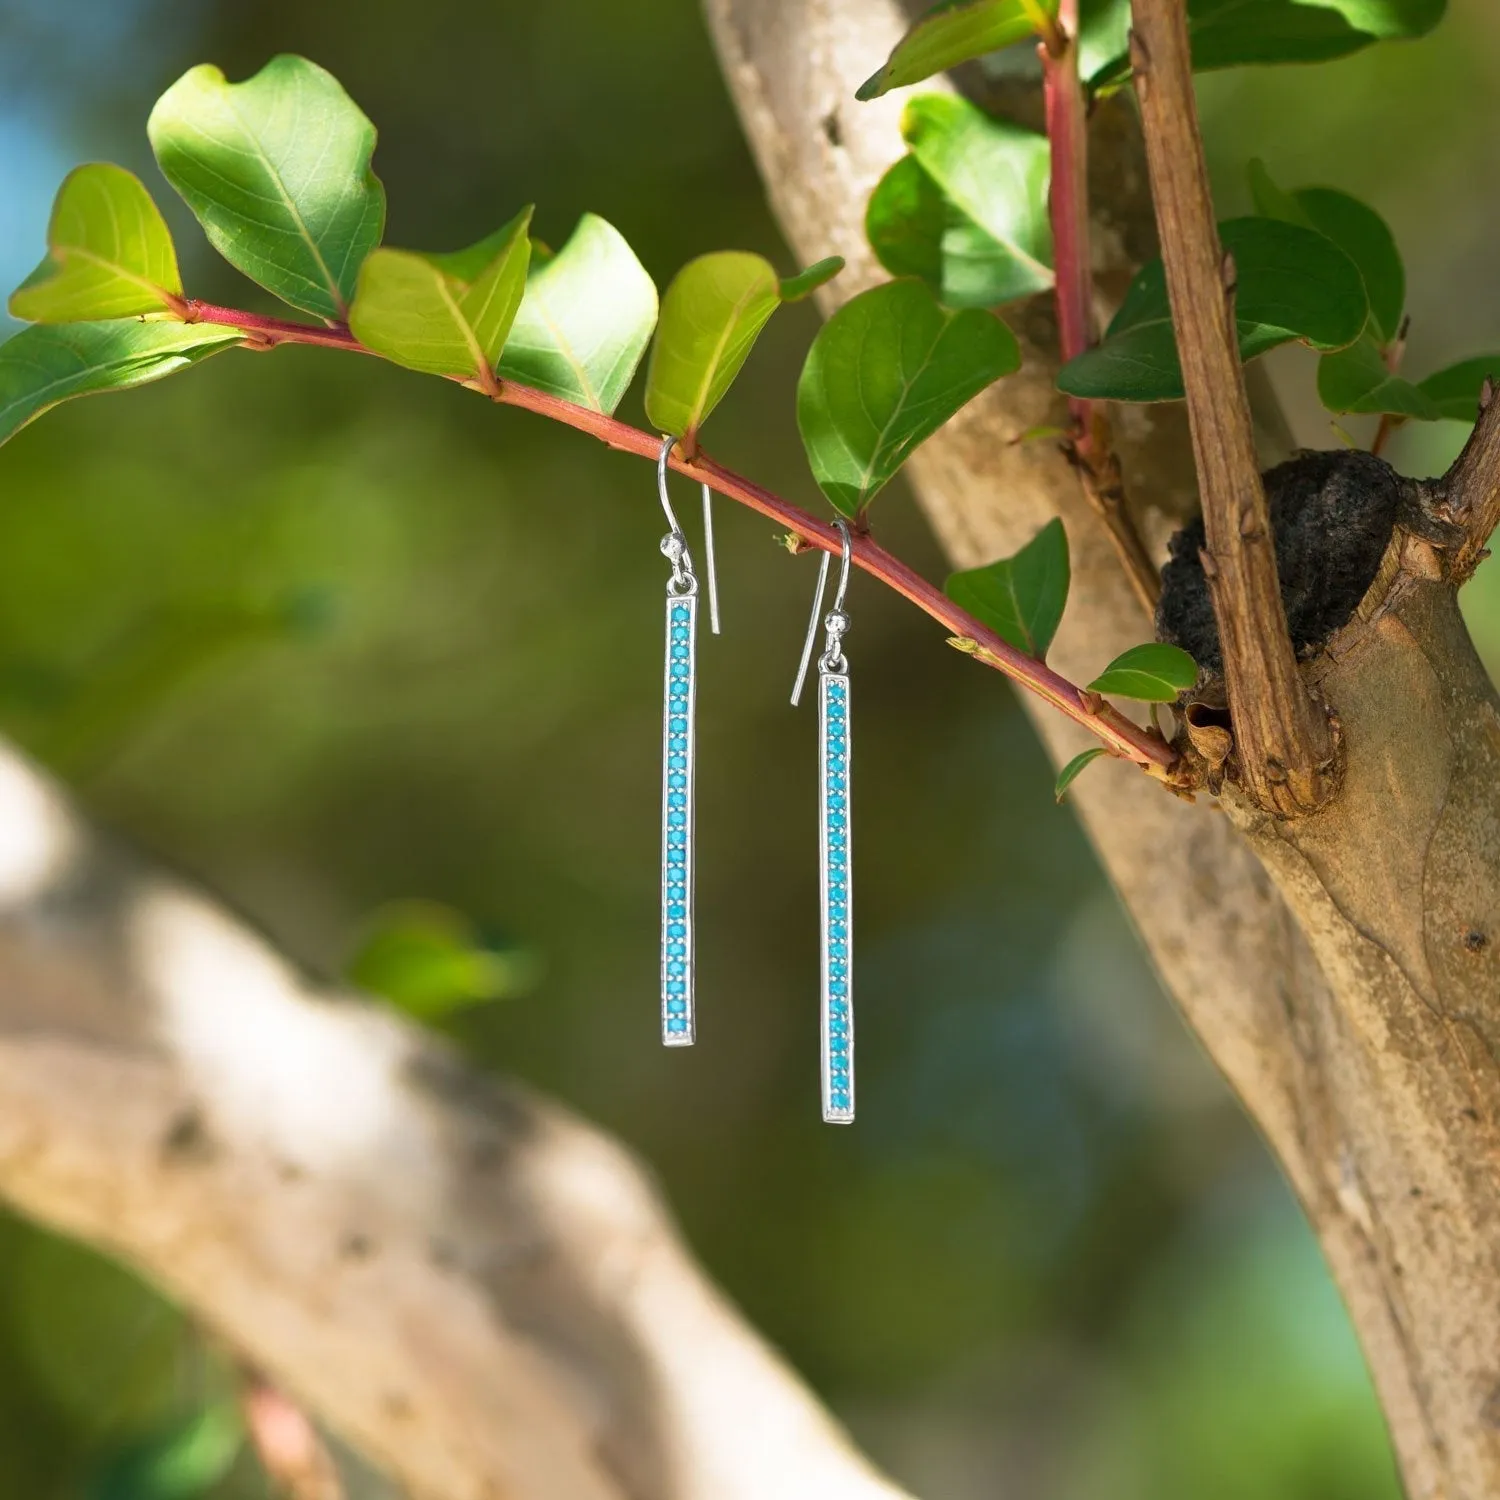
(1284, 741)
(1122, 737)
(1469, 492)
(289, 1448)
(1089, 449)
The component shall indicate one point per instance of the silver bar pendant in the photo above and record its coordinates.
(679, 701)
(837, 897)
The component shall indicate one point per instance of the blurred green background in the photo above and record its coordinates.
(331, 636)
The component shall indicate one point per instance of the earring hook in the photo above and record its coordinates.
(675, 543)
(837, 622)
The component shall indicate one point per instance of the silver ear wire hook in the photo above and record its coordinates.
(837, 622)
(674, 544)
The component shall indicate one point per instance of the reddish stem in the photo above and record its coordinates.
(1124, 738)
(1068, 201)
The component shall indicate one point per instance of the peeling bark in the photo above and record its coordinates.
(1333, 967)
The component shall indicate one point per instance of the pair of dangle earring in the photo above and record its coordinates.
(835, 864)
(679, 716)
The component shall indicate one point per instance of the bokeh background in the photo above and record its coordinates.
(332, 636)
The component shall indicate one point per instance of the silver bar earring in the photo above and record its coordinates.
(679, 715)
(835, 866)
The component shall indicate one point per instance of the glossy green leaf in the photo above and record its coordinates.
(432, 961)
(1454, 391)
(444, 314)
(277, 169)
(805, 283)
(585, 320)
(954, 31)
(1366, 239)
(1292, 283)
(994, 174)
(1272, 201)
(915, 231)
(1357, 379)
(109, 252)
(1154, 673)
(1020, 598)
(50, 363)
(180, 1464)
(1074, 768)
(711, 316)
(1233, 33)
(885, 372)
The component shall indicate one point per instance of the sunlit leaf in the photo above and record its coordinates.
(182, 1463)
(109, 252)
(1074, 768)
(711, 315)
(1291, 283)
(954, 31)
(915, 231)
(1357, 379)
(1454, 390)
(444, 314)
(431, 961)
(1366, 239)
(805, 283)
(277, 169)
(1232, 33)
(885, 372)
(1020, 598)
(995, 174)
(585, 320)
(49, 363)
(1154, 673)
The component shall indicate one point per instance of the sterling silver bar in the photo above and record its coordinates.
(837, 897)
(679, 705)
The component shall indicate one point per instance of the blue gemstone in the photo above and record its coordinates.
(676, 910)
(677, 763)
(836, 802)
(837, 1029)
(838, 987)
(837, 1046)
(676, 799)
(678, 726)
(676, 987)
(838, 971)
(677, 1007)
(679, 632)
(836, 858)
(680, 653)
(677, 819)
(676, 780)
(681, 672)
(680, 614)
(837, 931)
(676, 929)
(677, 1025)
(676, 950)
(835, 689)
(836, 763)
(676, 970)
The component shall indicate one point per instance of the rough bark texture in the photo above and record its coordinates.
(1343, 971)
(475, 1289)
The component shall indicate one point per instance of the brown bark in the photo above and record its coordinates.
(1343, 970)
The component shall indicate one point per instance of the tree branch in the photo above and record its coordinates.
(1121, 736)
(474, 1288)
(1285, 744)
(1470, 491)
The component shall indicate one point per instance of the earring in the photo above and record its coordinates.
(679, 714)
(836, 999)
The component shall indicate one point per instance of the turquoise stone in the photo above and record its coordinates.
(676, 799)
(675, 781)
(676, 987)
(676, 950)
(677, 1024)
(678, 726)
(676, 929)
(677, 1007)
(680, 614)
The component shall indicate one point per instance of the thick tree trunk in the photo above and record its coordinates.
(1343, 970)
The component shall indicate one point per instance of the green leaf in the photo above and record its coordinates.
(1454, 391)
(805, 283)
(1020, 598)
(996, 175)
(1070, 772)
(1366, 239)
(1154, 673)
(180, 1464)
(1292, 283)
(277, 169)
(585, 320)
(431, 961)
(444, 314)
(885, 372)
(1357, 379)
(711, 316)
(954, 31)
(44, 365)
(1272, 202)
(1233, 33)
(109, 253)
(915, 231)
